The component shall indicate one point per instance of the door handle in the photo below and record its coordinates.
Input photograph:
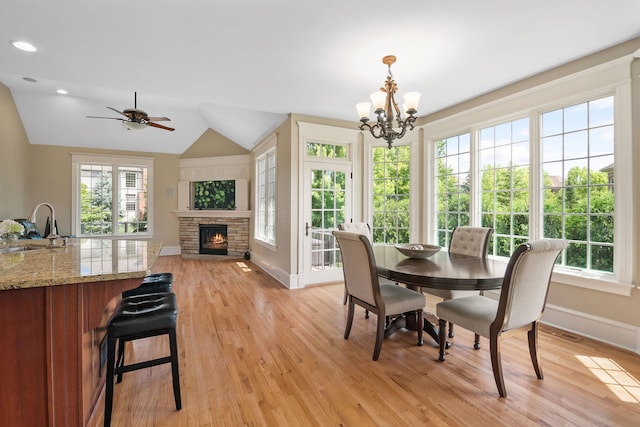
(306, 228)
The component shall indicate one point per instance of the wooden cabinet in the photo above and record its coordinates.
(50, 360)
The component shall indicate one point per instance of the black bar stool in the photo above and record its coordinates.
(151, 284)
(141, 317)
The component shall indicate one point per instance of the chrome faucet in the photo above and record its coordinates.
(53, 233)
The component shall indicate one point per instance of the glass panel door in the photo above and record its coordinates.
(327, 203)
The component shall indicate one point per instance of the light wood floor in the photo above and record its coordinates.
(253, 353)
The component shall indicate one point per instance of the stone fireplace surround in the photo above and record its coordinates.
(237, 233)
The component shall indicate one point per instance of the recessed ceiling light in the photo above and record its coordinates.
(27, 47)
(62, 91)
(29, 79)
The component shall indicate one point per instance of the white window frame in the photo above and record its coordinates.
(78, 159)
(266, 153)
(610, 79)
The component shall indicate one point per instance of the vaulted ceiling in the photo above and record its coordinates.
(240, 67)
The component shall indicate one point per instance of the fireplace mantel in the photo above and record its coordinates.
(212, 214)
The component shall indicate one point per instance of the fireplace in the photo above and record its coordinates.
(213, 239)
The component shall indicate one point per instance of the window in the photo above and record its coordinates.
(503, 152)
(130, 179)
(391, 185)
(567, 193)
(319, 149)
(453, 160)
(578, 164)
(266, 197)
(111, 195)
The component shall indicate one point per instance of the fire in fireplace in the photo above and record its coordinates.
(213, 239)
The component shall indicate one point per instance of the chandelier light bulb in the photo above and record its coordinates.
(378, 100)
(364, 108)
(411, 100)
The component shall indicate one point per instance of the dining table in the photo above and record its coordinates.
(442, 270)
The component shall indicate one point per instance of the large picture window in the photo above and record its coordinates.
(566, 193)
(111, 195)
(391, 185)
(453, 160)
(578, 163)
(503, 153)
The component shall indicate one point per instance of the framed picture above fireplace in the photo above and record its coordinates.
(213, 195)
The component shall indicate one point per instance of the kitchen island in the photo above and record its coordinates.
(54, 305)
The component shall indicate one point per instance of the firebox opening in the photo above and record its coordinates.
(213, 239)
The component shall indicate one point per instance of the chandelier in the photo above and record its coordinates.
(387, 111)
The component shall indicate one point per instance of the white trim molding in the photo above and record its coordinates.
(609, 331)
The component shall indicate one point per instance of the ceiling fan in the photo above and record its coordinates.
(136, 119)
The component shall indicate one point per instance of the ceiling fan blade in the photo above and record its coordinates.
(155, 125)
(159, 119)
(100, 117)
(119, 112)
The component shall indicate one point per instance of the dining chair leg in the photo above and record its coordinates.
(345, 296)
(420, 321)
(476, 342)
(450, 330)
(347, 328)
(442, 337)
(496, 363)
(533, 349)
(379, 335)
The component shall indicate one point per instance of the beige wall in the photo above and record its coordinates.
(279, 259)
(51, 182)
(211, 144)
(14, 160)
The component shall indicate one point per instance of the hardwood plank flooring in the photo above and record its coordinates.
(253, 353)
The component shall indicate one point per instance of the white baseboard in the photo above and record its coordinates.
(277, 273)
(608, 331)
(170, 250)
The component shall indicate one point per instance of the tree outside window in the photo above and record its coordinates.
(391, 184)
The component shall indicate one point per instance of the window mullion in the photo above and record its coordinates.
(475, 187)
(535, 178)
(115, 198)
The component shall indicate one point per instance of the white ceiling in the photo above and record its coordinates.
(240, 66)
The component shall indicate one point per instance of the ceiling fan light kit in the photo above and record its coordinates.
(133, 125)
(136, 119)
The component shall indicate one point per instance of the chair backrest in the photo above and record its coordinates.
(526, 283)
(471, 241)
(359, 267)
(357, 227)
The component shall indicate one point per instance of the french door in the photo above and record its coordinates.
(327, 203)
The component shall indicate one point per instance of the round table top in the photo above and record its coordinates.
(440, 271)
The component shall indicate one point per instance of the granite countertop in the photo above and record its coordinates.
(79, 261)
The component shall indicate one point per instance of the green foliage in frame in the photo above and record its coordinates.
(211, 195)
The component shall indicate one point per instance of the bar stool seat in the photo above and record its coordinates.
(138, 317)
(151, 284)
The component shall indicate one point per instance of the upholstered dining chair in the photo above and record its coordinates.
(361, 279)
(355, 227)
(470, 241)
(364, 229)
(522, 301)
